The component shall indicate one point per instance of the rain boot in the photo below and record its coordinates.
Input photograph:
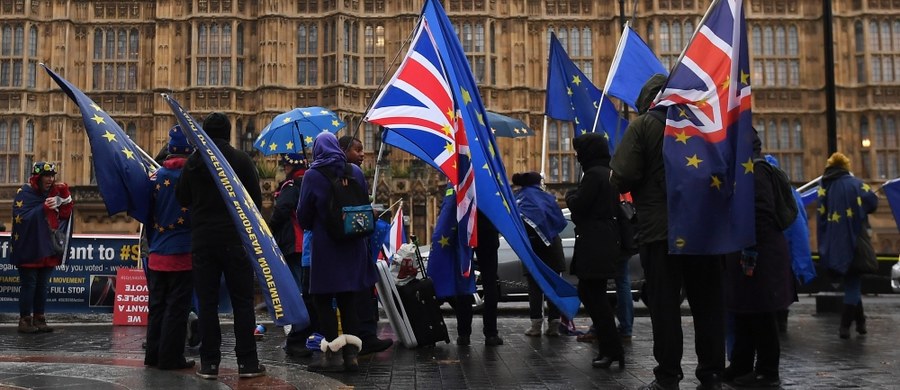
(40, 322)
(26, 325)
(331, 359)
(351, 352)
(535, 329)
(860, 319)
(846, 319)
(552, 328)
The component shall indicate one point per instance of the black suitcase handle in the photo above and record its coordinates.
(415, 241)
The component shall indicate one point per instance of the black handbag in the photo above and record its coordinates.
(58, 240)
(864, 260)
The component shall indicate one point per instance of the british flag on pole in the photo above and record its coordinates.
(708, 138)
(418, 107)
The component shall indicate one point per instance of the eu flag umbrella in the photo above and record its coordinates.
(504, 126)
(289, 132)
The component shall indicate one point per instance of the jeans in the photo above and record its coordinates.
(33, 294)
(852, 289)
(170, 303)
(624, 299)
(209, 264)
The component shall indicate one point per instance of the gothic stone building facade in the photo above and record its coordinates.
(255, 59)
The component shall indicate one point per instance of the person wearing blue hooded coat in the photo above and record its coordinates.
(845, 203)
(543, 221)
(338, 270)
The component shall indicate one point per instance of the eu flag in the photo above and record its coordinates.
(708, 139)
(279, 288)
(892, 191)
(571, 96)
(633, 64)
(495, 198)
(123, 177)
(449, 254)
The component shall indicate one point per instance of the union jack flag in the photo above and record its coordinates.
(396, 235)
(708, 144)
(421, 115)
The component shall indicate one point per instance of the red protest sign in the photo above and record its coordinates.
(131, 304)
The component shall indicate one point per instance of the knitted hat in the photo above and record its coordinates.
(526, 179)
(217, 125)
(838, 159)
(178, 143)
(43, 168)
(295, 159)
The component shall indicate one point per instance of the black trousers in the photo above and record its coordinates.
(210, 264)
(756, 336)
(536, 299)
(701, 277)
(487, 265)
(462, 306)
(592, 293)
(170, 302)
(367, 312)
(328, 325)
(298, 336)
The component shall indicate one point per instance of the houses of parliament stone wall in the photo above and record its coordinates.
(256, 59)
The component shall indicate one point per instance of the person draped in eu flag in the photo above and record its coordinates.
(41, 206)
(169, 278)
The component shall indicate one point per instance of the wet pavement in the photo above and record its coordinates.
(86, 352)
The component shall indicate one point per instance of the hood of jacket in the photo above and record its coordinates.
(649, 91)
(592, 149)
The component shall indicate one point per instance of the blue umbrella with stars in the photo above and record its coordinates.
(291, 131)
(504, 126)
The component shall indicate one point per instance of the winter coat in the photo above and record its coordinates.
(283, 223)
(772, 285)
(845, 203)
(197, 189)
(597, 242)
(638, 166)
(335, 266)
(543, 222)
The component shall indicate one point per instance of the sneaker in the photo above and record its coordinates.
(251, 371)
(493, 341)
(374, 345)
(208, 371)
(463, 341)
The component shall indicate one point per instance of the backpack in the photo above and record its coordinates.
(785, 205)
(626, 216)
(349, 214)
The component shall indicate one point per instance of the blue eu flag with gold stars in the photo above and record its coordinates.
(123, 176)
(708, 139)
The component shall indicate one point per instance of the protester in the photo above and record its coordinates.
(216, 250)
(289, 237)
(169, 265)
(339, 269)
(367, 299)
(759, 283)
(845, 203)
(638, 168)
(40, 207)
(597, 242)
(543, 222)
(486, 256)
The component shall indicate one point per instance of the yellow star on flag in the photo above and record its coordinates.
(309, 139)
(110, 137)
(272, 147)
(821, 191)
(849, 213)
(19, 203)
(286, 119)
(865, 187)
(167, 183)
(701, 102)
(444, 241)
(726, 83)
(576, 80)
(335, 123)
(480, 118)
(128, 154)
(693, 161)
(682, 137)
(748, 166)
(568, 91)
(289, 145)
(96, 107)
(449, 147)
(18, 219)
(180, 220)
(98, 119)
(716, 182)
(745, 77)
(821, 209)
(859, 200)
(682, 113)
(447, 129)
(835, 217)
(467, 98)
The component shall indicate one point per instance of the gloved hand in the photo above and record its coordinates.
(53, 202)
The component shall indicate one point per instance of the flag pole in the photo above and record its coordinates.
(809, 185)
(684, 50)
(544, 147)
(614, 65)
(375, 175)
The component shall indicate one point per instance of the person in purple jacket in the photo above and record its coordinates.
(339, 270)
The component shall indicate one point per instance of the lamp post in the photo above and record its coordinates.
(830, 109)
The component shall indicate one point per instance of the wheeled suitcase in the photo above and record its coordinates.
(392, 305)
(423, 308)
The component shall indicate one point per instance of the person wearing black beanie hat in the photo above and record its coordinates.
(217, 125)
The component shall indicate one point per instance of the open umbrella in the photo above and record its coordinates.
(504, 126)
(291, 131)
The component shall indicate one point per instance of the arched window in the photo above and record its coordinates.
(780, 41)
(29, 136)
(587, 42)
(859, 37)
(575, 47)
(757, 40)
(792, 41)
(768, 41)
